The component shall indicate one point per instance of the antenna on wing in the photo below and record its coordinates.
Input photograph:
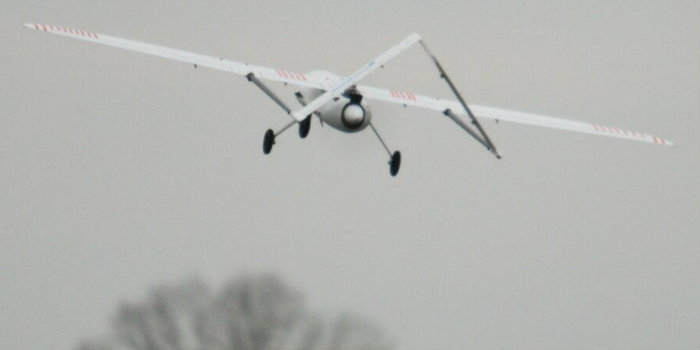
(482, 137)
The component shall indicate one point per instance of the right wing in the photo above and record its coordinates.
(278, 75)
(411, 99)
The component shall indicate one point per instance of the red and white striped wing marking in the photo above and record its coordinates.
(63, 30)
(403, 95)
(291, 75)
(629, 134)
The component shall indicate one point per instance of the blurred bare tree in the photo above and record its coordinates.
(252, 312)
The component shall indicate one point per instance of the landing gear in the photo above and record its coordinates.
(270, 135)
(304, 127)
(395, 163)
(268, 141)
(394, 159)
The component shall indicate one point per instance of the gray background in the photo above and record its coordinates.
(121, 170)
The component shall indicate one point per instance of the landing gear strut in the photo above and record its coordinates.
(270, 135)
(394, 158)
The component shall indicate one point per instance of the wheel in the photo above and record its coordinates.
(268, 141)
(304, 127)
(395, 163)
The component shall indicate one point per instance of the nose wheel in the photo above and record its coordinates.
(395, 163)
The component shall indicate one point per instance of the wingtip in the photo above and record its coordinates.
(30, 25)
(662, 142)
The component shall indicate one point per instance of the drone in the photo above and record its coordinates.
(342, 103)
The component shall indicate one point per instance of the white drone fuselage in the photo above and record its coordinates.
(342, 113)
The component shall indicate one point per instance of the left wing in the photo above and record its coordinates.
(279, 75)
(411, 99)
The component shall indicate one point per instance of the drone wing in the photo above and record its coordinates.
(411, 99)
(299, 79)
(279, 75)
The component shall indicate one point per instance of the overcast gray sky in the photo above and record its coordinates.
(120, 170)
